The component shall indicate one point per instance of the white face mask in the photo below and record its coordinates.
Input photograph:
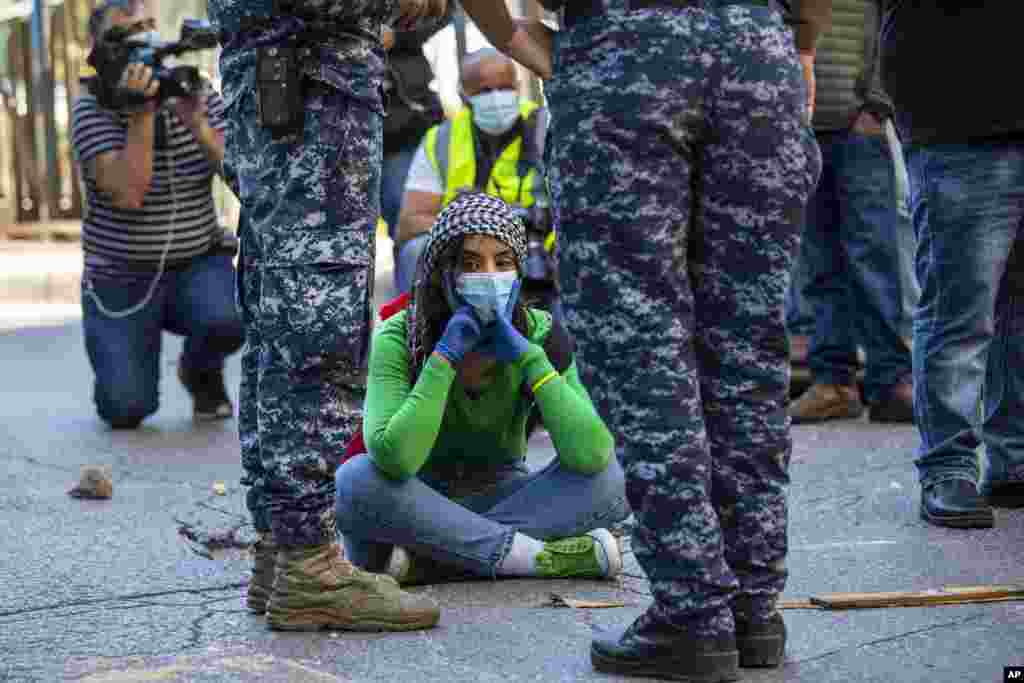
(495, 112)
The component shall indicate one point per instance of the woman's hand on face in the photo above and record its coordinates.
(509, 345)
(462, 334)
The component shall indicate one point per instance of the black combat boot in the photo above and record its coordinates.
(650, 648)
(760, 632)
(761, 644)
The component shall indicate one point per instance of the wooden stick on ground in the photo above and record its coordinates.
(947, 595)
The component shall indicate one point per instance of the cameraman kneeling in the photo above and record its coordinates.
(155, 256)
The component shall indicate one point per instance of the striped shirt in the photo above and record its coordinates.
(117, 240)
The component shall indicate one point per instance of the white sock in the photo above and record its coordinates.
(602, 556)
(522, 557)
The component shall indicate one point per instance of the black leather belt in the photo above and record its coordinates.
(577, 10)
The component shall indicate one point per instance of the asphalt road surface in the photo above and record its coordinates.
(110, 591)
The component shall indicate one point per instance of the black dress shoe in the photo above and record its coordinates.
(1009, 494)
(761, 645)
(955, 503)
(660, 651)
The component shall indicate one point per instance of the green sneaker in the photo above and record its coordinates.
(594, 556)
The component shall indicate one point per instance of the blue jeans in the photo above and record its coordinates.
(392, 186)
(799, 312)
(968, 208)
(467, 518)
(197, 301)
(852, 262)
(405, 264)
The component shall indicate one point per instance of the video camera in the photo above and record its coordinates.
(540, 271)
(119, 47)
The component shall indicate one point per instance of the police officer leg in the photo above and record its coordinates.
(312, 202)
(748, 236)
(624, 189)
(257, 499)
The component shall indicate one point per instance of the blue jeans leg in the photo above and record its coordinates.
(869, 226)
(555, 502)
(392, 186)
(124, 351)
(967, 212)
(853, 249)
(473, 532)
(408, 257)
(1004, 382)
(202, 307)
(910, 288)
(799, 313)
(833, 350)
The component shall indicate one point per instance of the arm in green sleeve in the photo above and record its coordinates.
(400, 425)
(580, 437)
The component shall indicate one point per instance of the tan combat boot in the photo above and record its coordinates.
(316, 588)
(827, 402)
(264, 555)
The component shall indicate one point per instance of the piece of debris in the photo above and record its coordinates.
(95, 482)
(557, 600)
(201, 542)
(947, 595)
(219, 488)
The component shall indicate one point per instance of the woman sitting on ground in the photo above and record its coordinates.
(444, 488)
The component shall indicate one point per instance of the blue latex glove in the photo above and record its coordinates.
(462, 334)
(513, 298)
(509, 345)
(502, 329)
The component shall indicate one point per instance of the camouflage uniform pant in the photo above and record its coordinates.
(310, 207)
(247, 290)
(681, 165)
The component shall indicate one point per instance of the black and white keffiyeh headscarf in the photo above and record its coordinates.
(470, 213)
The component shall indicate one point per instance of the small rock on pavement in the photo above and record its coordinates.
(95, 482)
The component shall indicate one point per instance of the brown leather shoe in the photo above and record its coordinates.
(827, 402)
(897, 406)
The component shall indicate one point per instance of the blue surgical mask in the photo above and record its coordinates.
(495, 112)
(487, 293)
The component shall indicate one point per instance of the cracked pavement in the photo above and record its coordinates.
(105, 591)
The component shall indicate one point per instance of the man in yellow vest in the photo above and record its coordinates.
(493, 145)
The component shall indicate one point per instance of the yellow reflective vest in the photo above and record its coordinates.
(452, 152)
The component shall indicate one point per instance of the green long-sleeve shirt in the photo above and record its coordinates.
(405, 425)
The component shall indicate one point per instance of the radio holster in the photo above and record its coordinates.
(280, 100)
